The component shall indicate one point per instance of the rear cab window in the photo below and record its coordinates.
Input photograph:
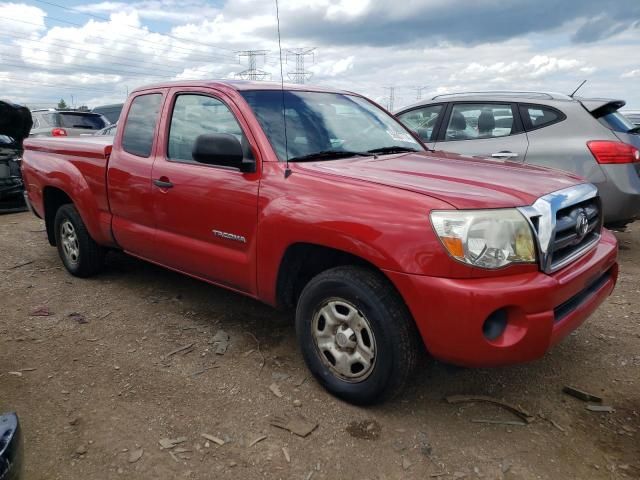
(422, 120)
(139, 129)
(617, 122)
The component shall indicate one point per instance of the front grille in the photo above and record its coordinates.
(567, 224)
(569, 241)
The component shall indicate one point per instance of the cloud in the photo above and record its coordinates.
(631, 74)
(25, 19)
(165, 10)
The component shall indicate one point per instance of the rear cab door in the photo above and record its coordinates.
(129, 174)
(484, 129)
(206, 215)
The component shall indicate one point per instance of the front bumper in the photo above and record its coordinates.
(10, 447)
(541, 309)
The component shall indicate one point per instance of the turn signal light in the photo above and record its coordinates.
(59, 132)
(607, 152)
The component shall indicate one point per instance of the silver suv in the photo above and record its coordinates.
(587, 137)
(61, 123)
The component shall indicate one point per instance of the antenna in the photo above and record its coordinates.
(579, 87)
(287, 170)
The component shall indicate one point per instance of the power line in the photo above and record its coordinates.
(100, 17)
(53, 85)
(300, 75)
(68, 47)
(186, 49)
(80, 69)
(252, 73)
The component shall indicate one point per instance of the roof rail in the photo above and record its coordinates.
(508, 93)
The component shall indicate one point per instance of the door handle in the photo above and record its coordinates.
(163, 183)
(504, 155)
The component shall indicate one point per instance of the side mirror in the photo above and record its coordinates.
(221, 149)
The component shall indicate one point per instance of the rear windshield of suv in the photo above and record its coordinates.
(617, 122)
(77, 120)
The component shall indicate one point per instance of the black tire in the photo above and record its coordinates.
(395, 335)
(89, 259)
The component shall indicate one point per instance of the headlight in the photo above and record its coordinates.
(485, 238)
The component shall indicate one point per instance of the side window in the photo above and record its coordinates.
(194, 115)
(140, 126)
(537, 116)
(422, 120)
(36, 122)
(479, 120)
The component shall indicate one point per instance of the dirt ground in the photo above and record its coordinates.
(100, 381)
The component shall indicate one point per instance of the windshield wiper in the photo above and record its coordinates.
(393, 149)
(328, 155)
(634, 130)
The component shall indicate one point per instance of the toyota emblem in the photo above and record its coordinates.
(582, 225)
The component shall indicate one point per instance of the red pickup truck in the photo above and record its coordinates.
(320, 200)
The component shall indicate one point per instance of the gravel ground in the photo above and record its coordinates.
(127, 359)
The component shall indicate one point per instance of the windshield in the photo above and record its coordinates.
(327, 125)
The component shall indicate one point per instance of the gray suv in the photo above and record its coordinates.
(587, 137)
(61, 123)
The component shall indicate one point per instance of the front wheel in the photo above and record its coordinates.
(356, 334)
(80, 254)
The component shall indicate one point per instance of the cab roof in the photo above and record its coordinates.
(241, 85)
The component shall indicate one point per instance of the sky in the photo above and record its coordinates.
(94, 53)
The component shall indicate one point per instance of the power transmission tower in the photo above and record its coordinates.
(419, 91)
(252, 73)
(300, 75)
(391, 98)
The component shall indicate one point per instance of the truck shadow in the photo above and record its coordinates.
(274, 331)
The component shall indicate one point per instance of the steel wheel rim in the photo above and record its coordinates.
(70, 244)
(344, 340)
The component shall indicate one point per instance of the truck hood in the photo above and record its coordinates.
(463, 182)
(15, 121)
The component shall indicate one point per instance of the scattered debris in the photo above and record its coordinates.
(202, 370)
(17, 374)
(518, 411)
(300, 381)
(581, 394)
(105, 315)
(42, 311)
(212, 438)
(297, 403)
(425, 446)
(552, 422)
(23, 264)
(180, 349)
(406, 463)
(255, 440)
(81, 450)
(169, 443)
(262, 361)
(500, 422)
(280, 376)
(28, 369)
(78, 317)
(601, 408)
(366, 429)
(298, 425)
(287, 457)
(220, 342)
(135, 455)
(275, 390)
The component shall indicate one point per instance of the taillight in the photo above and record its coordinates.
(607, 152)
(59, 132)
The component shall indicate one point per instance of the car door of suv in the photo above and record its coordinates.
(485, 129)
(206, 215)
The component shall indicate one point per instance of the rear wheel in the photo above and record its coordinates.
(356, 334)
(80, 254)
